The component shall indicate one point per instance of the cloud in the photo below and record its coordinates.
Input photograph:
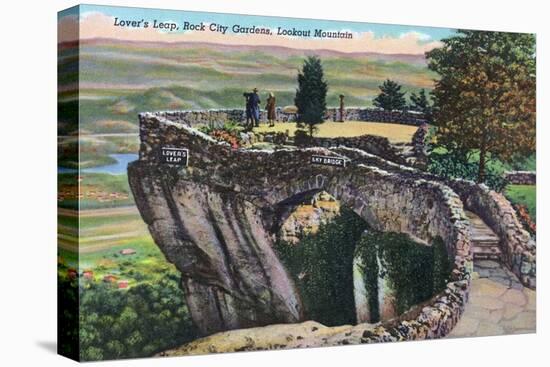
(98, 25)
(416, 35)
(86, 14)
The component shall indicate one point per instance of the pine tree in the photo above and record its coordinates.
(485, 99)
(311, 94)
(390, 98)
(421, 103)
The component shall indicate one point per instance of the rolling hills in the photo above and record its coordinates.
(120, 79)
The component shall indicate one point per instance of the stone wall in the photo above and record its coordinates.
(519, 249)
(217, 117)
(521, 177)
(376, 115)
(419, 146)
(373, 144)
(211, 219)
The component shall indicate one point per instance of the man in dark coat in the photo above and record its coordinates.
(253, 107)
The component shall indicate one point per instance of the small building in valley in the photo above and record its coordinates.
(127, 251)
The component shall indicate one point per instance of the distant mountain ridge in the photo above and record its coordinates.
(418, 59)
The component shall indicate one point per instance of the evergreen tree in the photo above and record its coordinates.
(421, 103)
(390, 98)
(311, 93)
(485, 98)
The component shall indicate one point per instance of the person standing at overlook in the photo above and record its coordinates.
(270, 107)
(252, 108)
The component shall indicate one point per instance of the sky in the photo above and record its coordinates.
(98, 22)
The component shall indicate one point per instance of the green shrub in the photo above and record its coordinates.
(279, 138)
(302, 138)
(231, 127)
(453, 165)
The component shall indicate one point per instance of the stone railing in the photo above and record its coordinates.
(521, 177)
(376, 115)
(217, 117)
(518, 248)
(373, 144)
(419, 144)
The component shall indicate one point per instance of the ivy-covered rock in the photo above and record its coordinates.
(393, 273)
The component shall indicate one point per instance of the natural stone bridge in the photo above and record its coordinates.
(214, 220)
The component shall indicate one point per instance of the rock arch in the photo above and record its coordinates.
(212, 219)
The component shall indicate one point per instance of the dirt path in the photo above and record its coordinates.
(498, 304)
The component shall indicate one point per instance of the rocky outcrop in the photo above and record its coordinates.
(270, 337)
(306, 218)
(217, 240)
(424, 322)
(384, 294)
(214, 218)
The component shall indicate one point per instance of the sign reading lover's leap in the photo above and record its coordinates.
(177, 156)
(328, 161)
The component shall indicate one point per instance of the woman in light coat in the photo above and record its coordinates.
(270, 107)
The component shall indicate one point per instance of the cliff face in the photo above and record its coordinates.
(231, 276)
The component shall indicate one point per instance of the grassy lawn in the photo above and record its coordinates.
(396, 133)
(525, 195)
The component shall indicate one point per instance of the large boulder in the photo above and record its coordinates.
(218, 241)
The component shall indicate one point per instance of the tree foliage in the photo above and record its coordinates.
(421, 103)
(138, 322)
(454, 165)
(67, 317)
(311, 93)
(390, 98)
(485, 97)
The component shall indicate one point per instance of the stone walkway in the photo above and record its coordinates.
(498, 304)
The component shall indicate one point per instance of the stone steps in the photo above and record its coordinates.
(485, 243)
(487, 253)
